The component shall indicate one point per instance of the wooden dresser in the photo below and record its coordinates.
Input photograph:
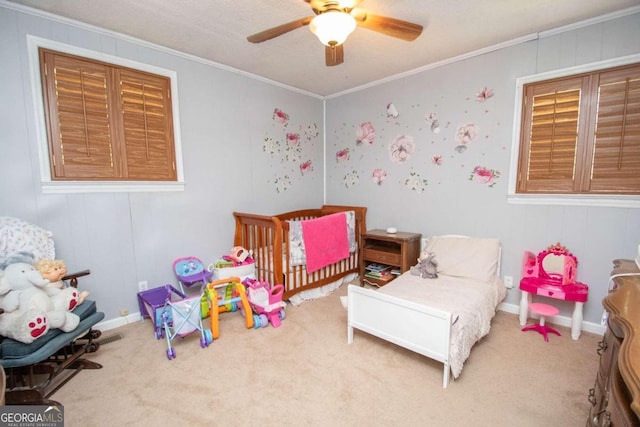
(615, 398)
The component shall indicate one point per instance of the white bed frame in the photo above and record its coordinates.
(417, 327)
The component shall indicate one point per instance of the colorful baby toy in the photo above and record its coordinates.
(266, 303)
(223, 296)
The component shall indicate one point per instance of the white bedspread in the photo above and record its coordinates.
(471, 303)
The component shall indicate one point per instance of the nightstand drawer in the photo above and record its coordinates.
(382, 256)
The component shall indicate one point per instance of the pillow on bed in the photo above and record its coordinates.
(470, 257)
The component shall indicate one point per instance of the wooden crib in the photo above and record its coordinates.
(267, 237)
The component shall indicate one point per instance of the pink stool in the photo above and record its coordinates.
(542, 310)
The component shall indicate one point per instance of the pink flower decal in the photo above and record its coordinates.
(365, 133)
(342, 155)
(437, 160)
(280, 116)
(484, 94)
(306, 167)
(483, 175)
(401, 147)
(378, 176)
(293, 139)
(466, 133)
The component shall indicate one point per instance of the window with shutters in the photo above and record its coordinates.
(110, 123)
(106, 122)
(580, 134)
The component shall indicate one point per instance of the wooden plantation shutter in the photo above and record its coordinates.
(616, 150)
(581, 134)
(78, 117)
(550, 138)
(106, 122)
(147, 128)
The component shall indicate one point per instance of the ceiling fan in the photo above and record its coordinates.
(335, 20)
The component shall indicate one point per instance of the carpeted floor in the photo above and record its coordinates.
(305, 373)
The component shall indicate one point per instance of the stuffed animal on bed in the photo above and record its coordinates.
(427, 267)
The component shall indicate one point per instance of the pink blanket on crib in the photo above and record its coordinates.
(325, 240)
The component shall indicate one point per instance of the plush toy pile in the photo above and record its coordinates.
(427, 267)
(33, 304)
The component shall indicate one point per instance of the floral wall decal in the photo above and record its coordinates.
(484, 175)
(270, 146)
(292, 147)
(306, 167)
(342, 155)
(484, 94)
(392, 111)
(293, 139)
(433, 121)
(351, 178)
(378, 175)
(401, 148)
(282, 183)
(415, 182)
(365, 133)
(464, 135)
(280, 116)
(409, 143)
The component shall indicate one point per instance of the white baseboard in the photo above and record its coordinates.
(118, 322)
(595, 328)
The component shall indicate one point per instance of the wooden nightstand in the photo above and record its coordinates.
(399, 250)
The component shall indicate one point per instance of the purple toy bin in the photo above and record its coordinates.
(152, 301)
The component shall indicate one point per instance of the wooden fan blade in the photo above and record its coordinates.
(342, 4)
(279, 30)
(334, 55)
(389, 26)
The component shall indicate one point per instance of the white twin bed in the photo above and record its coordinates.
(439, 318)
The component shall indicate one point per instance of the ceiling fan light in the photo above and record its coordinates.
(332, 27)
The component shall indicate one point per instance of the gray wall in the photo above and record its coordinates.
(452, 203)
(124, 238)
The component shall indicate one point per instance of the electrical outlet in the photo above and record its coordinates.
(508, 281)
(143, 285)
(124, 312)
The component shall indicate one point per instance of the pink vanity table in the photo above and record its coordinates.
(552, 274)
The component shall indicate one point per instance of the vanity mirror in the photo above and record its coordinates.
(556, 262)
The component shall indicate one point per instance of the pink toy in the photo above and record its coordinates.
(266, 303)
(239, 254)
(543, 310)
(552, 274)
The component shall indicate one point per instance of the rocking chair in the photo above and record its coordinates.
(37, 370)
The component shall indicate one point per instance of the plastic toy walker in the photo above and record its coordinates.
(266, 303)
(226, 295)
(190, 270)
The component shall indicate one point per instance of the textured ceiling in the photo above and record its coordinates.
(216, 30)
